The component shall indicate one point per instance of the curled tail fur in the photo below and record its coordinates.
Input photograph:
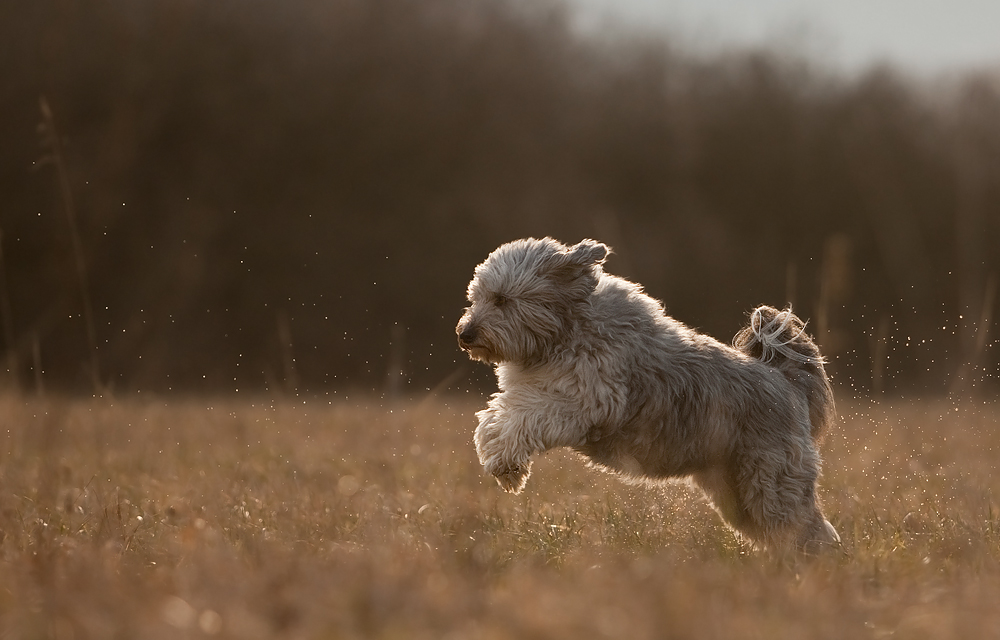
(779, 338)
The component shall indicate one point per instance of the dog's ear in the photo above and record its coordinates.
(588, 253)
(574, 268)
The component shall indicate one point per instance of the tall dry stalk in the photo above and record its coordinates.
(36, 364)
(7, 318)
(834, 290)
(287, 352)
(396, 368)
(879, 345)
(973, 356)
(54, 144)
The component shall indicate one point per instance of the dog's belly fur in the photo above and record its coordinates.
(629, 453)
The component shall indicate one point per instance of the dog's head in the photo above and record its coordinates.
(524, 297)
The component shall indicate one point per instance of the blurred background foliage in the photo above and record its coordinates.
(293, 194)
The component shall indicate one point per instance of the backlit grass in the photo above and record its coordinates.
(238, 518)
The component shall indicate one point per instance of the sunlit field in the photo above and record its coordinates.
(258, 518)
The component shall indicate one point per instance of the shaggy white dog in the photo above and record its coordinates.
(586, 360)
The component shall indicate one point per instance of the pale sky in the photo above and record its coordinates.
(925, 37)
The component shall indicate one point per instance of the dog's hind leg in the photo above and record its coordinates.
(778, 494)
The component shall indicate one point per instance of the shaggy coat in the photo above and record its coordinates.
(587, 360)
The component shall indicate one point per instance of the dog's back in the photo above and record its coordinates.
(779, 338)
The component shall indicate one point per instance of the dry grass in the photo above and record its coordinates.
(254, 519)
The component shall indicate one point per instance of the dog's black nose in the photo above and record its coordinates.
(467, 337)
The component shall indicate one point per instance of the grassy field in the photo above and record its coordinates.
(253, 518)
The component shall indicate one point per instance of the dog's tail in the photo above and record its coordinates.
(779, 338)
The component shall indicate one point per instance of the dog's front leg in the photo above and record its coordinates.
(499, 450)
(508, 435)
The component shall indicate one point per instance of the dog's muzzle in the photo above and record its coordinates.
(467, 339)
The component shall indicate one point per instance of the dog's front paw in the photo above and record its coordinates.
(511, 476)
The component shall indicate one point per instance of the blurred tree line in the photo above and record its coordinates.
(294, 194)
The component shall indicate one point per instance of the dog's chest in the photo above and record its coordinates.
(579, 385)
